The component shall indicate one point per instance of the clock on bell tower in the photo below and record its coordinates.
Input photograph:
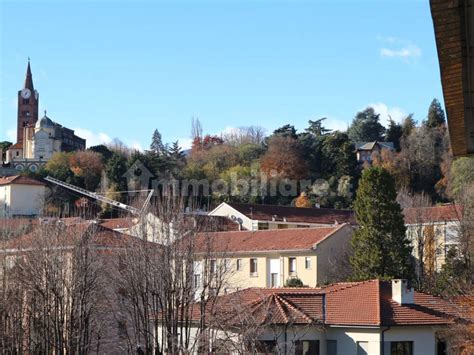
(28, 100)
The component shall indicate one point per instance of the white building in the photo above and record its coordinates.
(21, 196)
(261, 217)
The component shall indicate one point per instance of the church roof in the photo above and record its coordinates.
(44, 122)
(29, 78)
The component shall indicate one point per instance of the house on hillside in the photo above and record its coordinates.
(21, 196)
(270, 258)
(433, 231)
(262, 217)
(370, 317)
(364, 150)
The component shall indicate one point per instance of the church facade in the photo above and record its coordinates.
(37, 139)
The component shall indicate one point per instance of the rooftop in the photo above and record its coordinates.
(294, 214)
(266, 240)
(19, 180)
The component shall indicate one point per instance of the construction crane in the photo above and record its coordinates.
(101, 198)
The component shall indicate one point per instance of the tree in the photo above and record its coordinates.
(303, 201)
(285, 131)
(3, 149)
(461, 175)
(58, 166)
(87, 166)
(115, 168)
(316, 127)
(366, 127)
(103, 150)
(394, 133)
(436, 117)
(284, 159)
(381, 248)
(408, 124)
(157, 145)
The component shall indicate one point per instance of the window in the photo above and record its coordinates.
(401, 348)
(282, 226)
(253, 267)
(274, 279)
(238, 264)
(291, 265)
(331, 347)
(213, 266)
(227, 263)
(307, 347)
(25, 113)
(262, 225)
(302, 226)
(307, 263)
(197, 280)
(26, 101)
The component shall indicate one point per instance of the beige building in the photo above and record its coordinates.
(262, 217)
(21, 196)
(365, 150)
(433, 231)
(273, 257)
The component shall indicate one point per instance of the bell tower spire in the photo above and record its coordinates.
(28, 102)
(29, 78)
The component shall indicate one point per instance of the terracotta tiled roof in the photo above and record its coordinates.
(117, 223)
(294, 214)
(19, 180)
(100, 237)
(365, 303)
(370, 303)
(265, 240)
(263, 306)
(16, 146)
(433, 214)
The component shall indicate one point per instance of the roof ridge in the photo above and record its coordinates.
(278, 301)
(295, 308)
(277, 230)
(286, 206)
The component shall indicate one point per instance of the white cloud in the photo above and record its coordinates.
(385, 112)
(335, 124)
(400, 48)
(185, 143)
(92, 138)
(136, 145)
(410, 51)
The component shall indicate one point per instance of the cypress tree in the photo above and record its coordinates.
(436, 117)
(381, 248)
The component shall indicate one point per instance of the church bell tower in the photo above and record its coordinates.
(28, 100)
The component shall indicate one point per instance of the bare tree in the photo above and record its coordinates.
(161, 281)
(52, 296)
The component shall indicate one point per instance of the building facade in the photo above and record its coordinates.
(21, 196)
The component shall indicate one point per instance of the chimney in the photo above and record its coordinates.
(401, 293)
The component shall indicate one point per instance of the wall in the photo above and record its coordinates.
(26, 199)
(331, 252)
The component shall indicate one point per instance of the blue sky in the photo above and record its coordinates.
(123, 68)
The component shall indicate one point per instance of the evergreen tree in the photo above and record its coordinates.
(394, 133)
(366, 127)
(316, 128)
(408, 125)
(115, 168)
(436, 117)
(157, 145)
(286, 131)
(381, 248)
